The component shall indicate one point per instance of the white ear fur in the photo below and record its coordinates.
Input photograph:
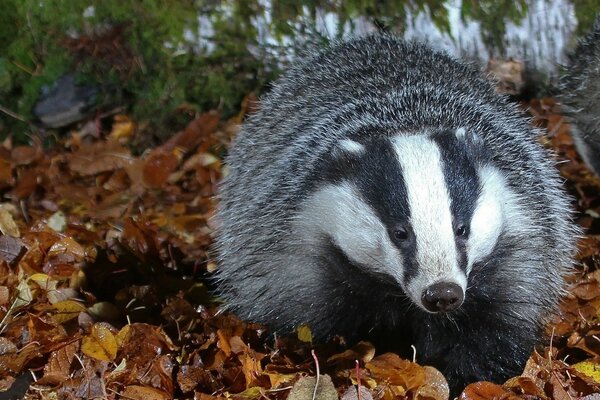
(462, 133)
(350, 146)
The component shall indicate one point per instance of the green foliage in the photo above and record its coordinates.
(493, 15)
(155, 55)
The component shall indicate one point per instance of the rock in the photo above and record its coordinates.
(65, 102)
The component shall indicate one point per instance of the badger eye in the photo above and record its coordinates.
(401, 234)
(462, 231)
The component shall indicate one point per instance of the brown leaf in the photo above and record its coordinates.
(435, 388)
(58, 368)
(484, 391)
(396, 371)
(25, 155)
(144, 393)
(159, 165)
(196, 131)
(100, 157)
(13, 363)
(4, 295)
(362, 351)
(6, 177)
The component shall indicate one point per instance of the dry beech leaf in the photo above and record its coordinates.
(6, 346)
(589, 368)
(58, 368)
(100, 344)
(352, 393)
(8, 225)
(484, 391)
(67, 310)
(397, 371)
(100, 157)
(123, 127)
(144, 393)
(4, 295)
(11, 249)
(435, 387)
(362, 351)
(159, 165)
(305, 388)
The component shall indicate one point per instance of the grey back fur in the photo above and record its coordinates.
(580, 96)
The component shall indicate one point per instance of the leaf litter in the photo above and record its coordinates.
(104, 256)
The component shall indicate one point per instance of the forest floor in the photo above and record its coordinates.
(104, 256)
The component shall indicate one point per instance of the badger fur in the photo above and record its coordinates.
(580, 96)
(385, 192)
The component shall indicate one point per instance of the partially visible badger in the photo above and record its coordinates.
(384, 191)
(580, 96)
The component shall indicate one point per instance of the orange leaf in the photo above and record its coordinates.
(397, 371)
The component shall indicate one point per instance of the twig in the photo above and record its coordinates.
(12, 114)
(358, 379)
(318, 374)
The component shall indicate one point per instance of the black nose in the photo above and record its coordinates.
(442, 297)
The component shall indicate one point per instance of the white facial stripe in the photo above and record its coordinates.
(351, 146)
(338, 211)
(487, 220)
(430, 214)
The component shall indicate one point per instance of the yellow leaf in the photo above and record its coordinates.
(100, 344)
(122, 128)
(251, 393)
(278, 379)
(67, 310)
(304, 334)
(44, 282)
(589, 368)
(123, 334)
(7, 224)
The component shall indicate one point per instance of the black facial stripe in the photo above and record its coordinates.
(380, 181)
(460, 158)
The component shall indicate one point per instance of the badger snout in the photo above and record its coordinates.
(442, 297)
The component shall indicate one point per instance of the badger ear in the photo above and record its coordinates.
(473, 143)
(467, 134)
(347, 147)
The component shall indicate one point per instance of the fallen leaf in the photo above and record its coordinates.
(484, 391)
(67, 310)
(100, 343)
(144, 393)
(352, 394)
(305, 388)
(11, 249)
(8, 225)
(589, 368)
(391, 368)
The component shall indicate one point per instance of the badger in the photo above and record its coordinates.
(384, 191)
(580, 96)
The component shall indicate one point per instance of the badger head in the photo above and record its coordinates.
(420, 209)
